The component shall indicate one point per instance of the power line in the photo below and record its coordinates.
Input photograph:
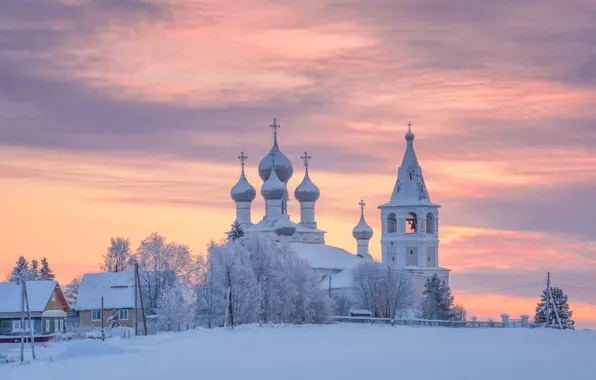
(499, 289)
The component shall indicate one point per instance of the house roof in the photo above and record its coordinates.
(117, 289)
(322, 256)
(38, 293)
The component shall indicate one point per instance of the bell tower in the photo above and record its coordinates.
(409, 221)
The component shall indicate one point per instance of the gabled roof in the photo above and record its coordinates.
(117, 289)
(38, 293)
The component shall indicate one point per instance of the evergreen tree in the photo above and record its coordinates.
(236, 232)
(34, 271)
(559, 298)
(20, 270)
(437, 301)
(46, 273)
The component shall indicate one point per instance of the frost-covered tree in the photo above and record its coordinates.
(258, 280)
(459, 313)
(559, 300)
(46, 272)
(34, 271)
(71, 290)
(437, 301)
(117, 257)
(21, 270)
(237, 232)
(382, 290)
(172, 309)
(161, 265)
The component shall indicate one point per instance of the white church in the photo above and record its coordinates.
(409, 236)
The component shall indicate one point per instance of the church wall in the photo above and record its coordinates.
(411, 255)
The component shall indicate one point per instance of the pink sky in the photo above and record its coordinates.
(121, 118)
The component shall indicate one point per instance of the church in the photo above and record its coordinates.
(409, 221)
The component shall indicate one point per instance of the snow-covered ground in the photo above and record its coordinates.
(321, 352)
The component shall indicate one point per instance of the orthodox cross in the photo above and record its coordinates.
(275, 126)
(409, 126)
(362, 204)
(242, 159)
(306, 158)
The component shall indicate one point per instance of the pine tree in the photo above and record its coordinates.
(20, 270)
(34, 271)
(560, 301)
(46, 273)
(236, 232)
(437, 301)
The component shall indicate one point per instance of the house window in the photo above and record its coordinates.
(62, 325)
(56, 325)
(123, 314)
(48, 328)
(16, 325)
(53, 296)
(96, 315)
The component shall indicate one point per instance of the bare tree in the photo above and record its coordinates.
(459, 313)
(117, 257)
(71, 290)
(382, 290)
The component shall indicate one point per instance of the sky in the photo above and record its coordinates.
(126, 117)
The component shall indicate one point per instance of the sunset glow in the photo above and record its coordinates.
(125, 118)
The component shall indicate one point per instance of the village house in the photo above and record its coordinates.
(118, 292)
(47, 305)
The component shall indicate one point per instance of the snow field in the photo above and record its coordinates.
(346, 352)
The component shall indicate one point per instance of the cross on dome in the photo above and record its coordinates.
(362, 204)
(305, 158)
(242, 157)
(275, 127)
(409, 126)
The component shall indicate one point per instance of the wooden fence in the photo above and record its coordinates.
(419, 322)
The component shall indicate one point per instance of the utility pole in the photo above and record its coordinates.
(21, 282)
(547, 298)
(136, 300)
(31, 325)
(103, 336)
(141, 296)
(555, 307)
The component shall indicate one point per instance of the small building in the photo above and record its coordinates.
(46, 302)
(118, 292)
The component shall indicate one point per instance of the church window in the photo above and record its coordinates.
(430, 223)
(411, 223)
(411, 251)
(393, 258)
(391, 223)
(410, 176)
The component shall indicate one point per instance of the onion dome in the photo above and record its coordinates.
(273, 188)
(283, 165)
(242, 190)
(307, 191)
(284, 227)
(362, 231)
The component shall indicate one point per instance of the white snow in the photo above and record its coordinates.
(356, 351)
(38, 293)
(325, 256)
(117, 289)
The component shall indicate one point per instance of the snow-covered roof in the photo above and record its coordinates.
(322, 256)
(38, 293)
(117, 289)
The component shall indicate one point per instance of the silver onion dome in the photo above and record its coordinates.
(283, 165)
(409, 135)
(362, 231)
(243, 191)
(273, 188)
(284, 227)
(307, 191)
